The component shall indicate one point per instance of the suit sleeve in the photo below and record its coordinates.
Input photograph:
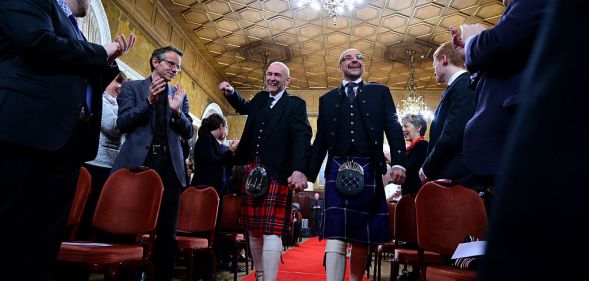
(300, 131)
(183, 124)
(29, 25)
(205, 152)
(241, 105)
(132, 112)
(108, 123)
(393, 130)
(319, 148)
(418, 154)
(512, 36)
(449, 143)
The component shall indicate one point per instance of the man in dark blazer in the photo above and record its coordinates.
(154, 115)
(542, 195)
(352, 120)
(51, 84)
(444, 160)
(497, 57)
(276, 136)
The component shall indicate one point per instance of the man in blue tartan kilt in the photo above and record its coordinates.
(350, 126)
(277, 138)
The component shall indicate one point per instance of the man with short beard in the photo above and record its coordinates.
(154, 115)
(350, 126)
(51, 81)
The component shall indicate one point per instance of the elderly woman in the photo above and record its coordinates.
(414, 127)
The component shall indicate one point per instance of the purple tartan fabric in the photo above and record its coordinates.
(362, 218)
(268, 213)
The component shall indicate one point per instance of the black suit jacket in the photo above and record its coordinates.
(378, 114)
(210, 162)
(415, 157)
(44, 71)
(445, 157)
(542, 195)
(287, 144)
(499, 55)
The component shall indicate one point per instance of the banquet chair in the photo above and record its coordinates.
(445, 216)
(231, 232)
(80, 197)
(196, 225)
(128, 206)
(386, 248)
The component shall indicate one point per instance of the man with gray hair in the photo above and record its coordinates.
(275, 146)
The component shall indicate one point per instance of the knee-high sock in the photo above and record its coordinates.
(256, 246)
(335, 259)
(271, 256)
(358, 261)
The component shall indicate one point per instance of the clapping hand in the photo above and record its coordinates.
(175, 100)
(119, 47)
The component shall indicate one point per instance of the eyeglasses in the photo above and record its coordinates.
(172, 64)
(350, 57)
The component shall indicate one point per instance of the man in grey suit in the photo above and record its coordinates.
(154, 115)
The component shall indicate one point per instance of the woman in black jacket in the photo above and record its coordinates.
(414, 127)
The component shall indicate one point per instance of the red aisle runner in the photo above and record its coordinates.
(304, 262)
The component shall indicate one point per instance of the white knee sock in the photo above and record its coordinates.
(271, 256)
(335, 259)
(256, 246)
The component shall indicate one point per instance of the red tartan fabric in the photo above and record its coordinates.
(269, 213)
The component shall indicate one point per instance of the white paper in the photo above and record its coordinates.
(470, 249)
(87, 244)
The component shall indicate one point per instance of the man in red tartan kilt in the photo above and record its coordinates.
(276, 137)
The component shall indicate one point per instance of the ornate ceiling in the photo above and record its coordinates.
(234, 35)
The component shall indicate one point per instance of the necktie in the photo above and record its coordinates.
(350, 91)
(81, 37)
(270, 100)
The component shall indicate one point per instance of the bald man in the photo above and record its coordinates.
(352, 120)
(275, 146)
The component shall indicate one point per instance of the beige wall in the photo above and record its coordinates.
(154, 29)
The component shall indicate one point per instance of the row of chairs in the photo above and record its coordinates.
(129, 205)
(427, 229)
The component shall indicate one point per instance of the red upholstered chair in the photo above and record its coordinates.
(231, 232)
(196, 225)
(445, 216)
(386, 247)
(128, 206)
(80, 198)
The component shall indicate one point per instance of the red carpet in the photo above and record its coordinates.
(304, 262)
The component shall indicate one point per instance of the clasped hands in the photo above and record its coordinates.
(297, 181)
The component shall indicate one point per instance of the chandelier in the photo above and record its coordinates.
(334, 8)
(414, 103)
(266, 61)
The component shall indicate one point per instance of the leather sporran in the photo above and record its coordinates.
(350, 178)
(257, 182)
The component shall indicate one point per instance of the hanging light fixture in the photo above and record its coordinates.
(334, 8)
(414, 103)
(266, 61)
